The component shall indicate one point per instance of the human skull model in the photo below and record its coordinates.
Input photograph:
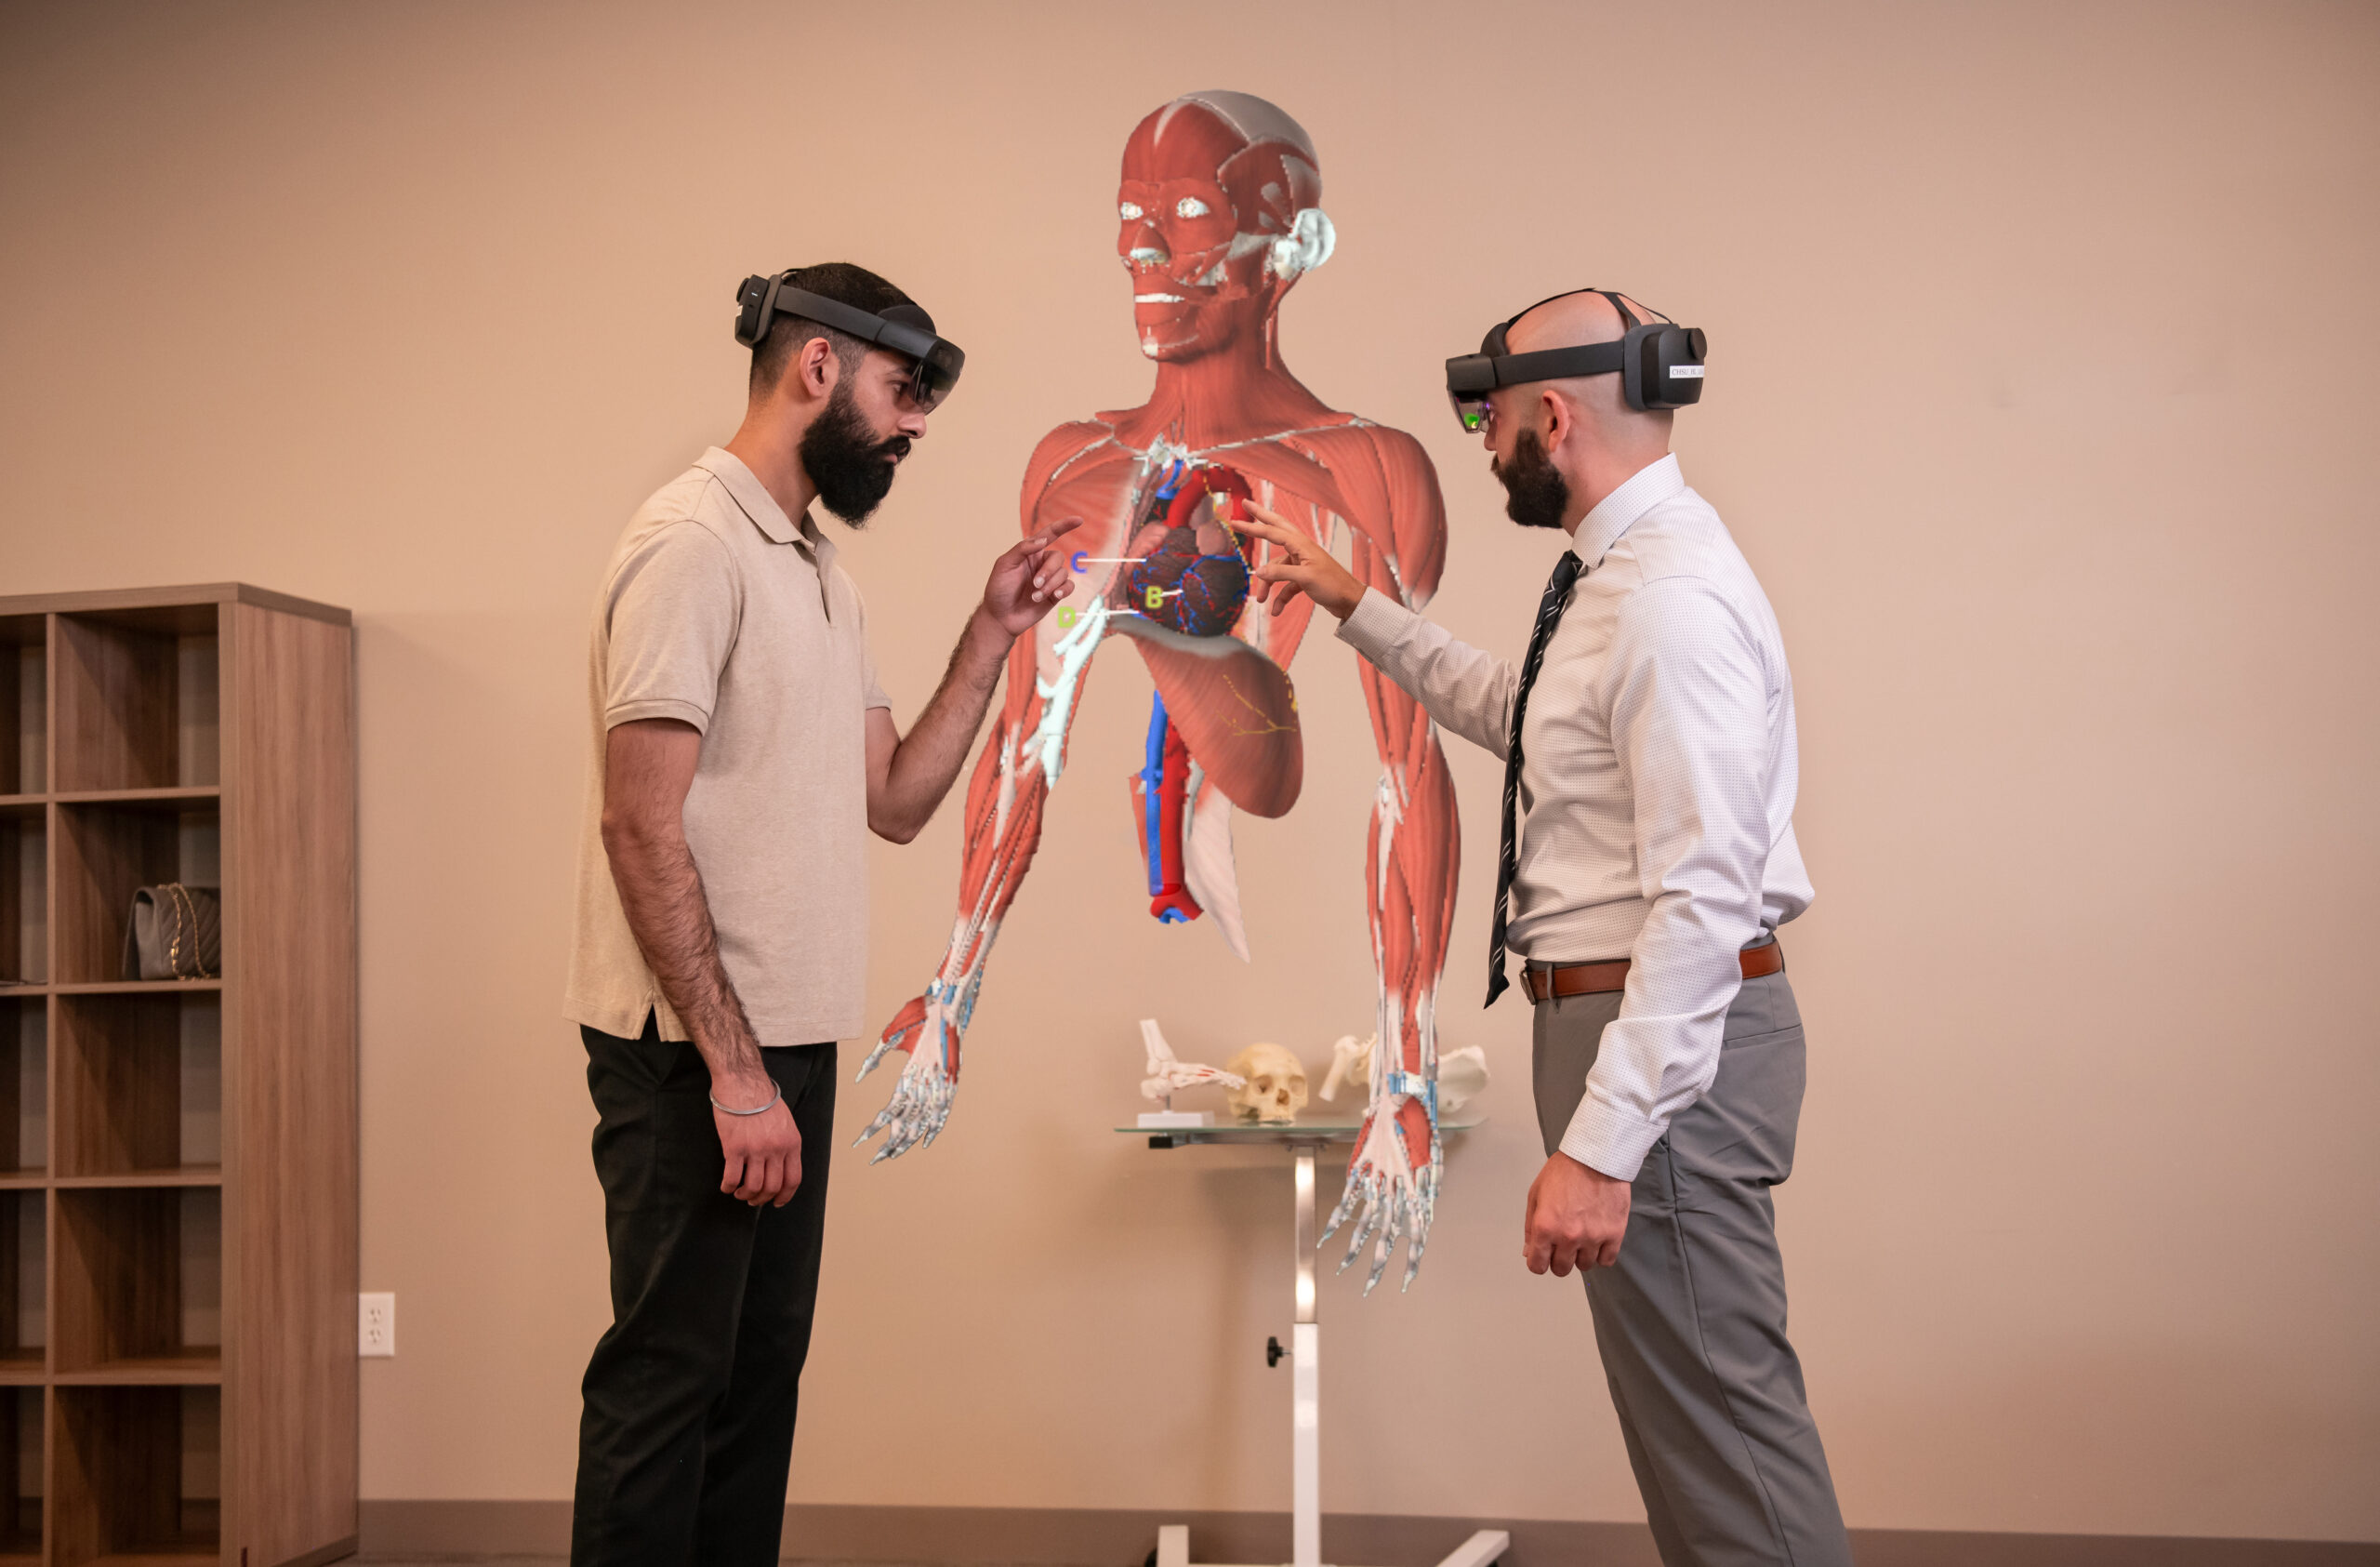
(1275, 1087)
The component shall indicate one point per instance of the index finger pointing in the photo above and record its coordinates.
(1054, 531)
(1271, 529)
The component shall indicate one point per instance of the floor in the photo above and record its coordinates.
(506, 1561)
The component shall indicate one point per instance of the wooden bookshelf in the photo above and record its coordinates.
(177, 1158)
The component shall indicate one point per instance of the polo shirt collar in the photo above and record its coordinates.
(1617, 511)
(747, 492)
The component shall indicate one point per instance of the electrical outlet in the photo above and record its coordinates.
(376, 1326)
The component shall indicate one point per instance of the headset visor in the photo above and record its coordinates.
(935, 362)
(1469, 380)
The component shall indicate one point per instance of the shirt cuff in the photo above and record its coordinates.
(1610, 1140)
(1376, 622)
(656, 707)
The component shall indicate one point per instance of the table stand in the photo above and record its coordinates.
(1304, 1354)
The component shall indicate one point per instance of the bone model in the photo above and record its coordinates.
(1272, 1085)
(1351, 1062)
(1166, 1073)
(1220, 215)
(1462, 1073)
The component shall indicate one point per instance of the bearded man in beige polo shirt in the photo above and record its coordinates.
(742, 747)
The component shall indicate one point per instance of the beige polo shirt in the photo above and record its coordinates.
(718, 611)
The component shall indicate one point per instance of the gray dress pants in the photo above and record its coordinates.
(1691, 1320)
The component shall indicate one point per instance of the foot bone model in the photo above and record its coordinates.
(1157, 487)
(1168, 1072)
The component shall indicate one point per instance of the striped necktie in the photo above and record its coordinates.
(1508, 860)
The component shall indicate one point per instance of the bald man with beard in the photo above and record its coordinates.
(1655, 757)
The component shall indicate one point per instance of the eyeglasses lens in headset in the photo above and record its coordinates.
(1470, 410)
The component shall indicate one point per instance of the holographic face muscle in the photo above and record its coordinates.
(1218, 202)
(1218, 208)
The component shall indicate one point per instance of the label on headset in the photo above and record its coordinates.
(1686, 372)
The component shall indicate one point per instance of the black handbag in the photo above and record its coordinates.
(176, 933)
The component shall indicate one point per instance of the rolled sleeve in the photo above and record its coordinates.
(618, 713)
(672, 619)
(1687, 692)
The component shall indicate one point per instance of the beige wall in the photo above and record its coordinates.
(2042, 396)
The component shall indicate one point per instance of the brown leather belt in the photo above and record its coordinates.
(1541, 980)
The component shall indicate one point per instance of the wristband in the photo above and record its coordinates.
(731, 1109)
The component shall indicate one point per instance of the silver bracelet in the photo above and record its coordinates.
(731, 1109)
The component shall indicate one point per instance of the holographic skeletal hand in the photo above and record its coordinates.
(1004, 804)
(1392, 1180)
(921, 1099)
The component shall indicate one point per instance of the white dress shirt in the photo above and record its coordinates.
(1658, 776)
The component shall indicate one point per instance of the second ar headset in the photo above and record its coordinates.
(907, 330)
(1660, 364)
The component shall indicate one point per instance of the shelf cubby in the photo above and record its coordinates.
(139, 695)
(24, 896)
(139, 1286)
(139, 1083)
(138, 1476)
(24, 1284)
(24, 704)
(24, 1087)
(21, 1450)
(108, 852)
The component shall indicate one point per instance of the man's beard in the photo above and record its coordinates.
(1536, 494)
(850, 466)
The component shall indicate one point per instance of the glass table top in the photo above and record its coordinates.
(1333, 1129)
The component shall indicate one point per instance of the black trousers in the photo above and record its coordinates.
(687, 1439)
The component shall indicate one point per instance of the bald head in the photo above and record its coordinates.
(1575, 321)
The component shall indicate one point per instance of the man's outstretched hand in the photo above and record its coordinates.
(1298, 565)
(1029, 578)
(1576, 1217)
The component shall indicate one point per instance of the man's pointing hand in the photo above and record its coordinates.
(1298, 565)
(1029, 578)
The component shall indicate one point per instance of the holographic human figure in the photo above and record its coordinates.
(1220, 213)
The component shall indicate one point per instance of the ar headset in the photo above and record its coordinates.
(907, 330)
(1660, 364)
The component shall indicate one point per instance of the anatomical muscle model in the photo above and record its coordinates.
(1221, 214)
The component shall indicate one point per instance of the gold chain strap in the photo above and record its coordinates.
(188, 906)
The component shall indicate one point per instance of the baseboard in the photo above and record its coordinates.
(338, 1550)
(1122, 1537)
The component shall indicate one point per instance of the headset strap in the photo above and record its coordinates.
(1557, 363)
(866, 325)
(1627, 316)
